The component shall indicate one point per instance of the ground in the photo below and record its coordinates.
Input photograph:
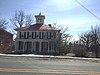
(17, 65)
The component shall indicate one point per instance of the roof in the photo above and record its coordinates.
(37, 27)
(40, 15)
(3, 31)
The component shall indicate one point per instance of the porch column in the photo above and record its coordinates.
(26, 35)
(40, 47)
(23, 46)
(16, 45)
(32, 47)
(48, 47)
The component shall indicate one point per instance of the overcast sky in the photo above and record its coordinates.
(63, 12)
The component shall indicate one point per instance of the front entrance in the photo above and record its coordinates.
(44, 46)
(37, 47)
(28, 47)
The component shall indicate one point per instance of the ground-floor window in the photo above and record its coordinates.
(44, 46)
(37, 46)
(51, 45)
(20, 45)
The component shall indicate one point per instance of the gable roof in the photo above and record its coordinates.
(3, 31)
(37, 27)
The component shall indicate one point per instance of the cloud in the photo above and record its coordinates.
(76, 25)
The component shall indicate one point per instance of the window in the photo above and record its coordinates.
(35, 34)
(54, 34)
(49, 35)
(20, 45)
(39, 35)
(40, 20)
(27, 34)
(32, 35)
(24, 35)
(29, 45)
(42, 35)
(46, 35)
(19, 34)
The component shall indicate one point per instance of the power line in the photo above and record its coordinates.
(88, 10)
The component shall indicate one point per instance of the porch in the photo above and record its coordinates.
(35, 47)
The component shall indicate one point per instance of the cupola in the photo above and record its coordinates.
(40, 18)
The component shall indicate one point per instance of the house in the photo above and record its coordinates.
(6, 41)
(38, 38)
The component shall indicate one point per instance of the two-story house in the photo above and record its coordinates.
(37, 38)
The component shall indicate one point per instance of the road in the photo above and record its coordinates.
(46, 66)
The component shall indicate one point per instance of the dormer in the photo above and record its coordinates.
(40, 18)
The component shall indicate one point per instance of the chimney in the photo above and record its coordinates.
(49, 25)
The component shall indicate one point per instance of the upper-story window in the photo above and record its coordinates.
(33, 36)
(49, 35)
(25, 35)
(43, 35)
(39, 35)
(30, 35)
(21, 35)
(39, 19)
(54, 35)
(46, 35)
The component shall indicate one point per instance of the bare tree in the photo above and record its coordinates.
(62, 39)
(95, 37)
(91, 40)
(86, 40)
(29, 20)
(3, 23)
(18, 19)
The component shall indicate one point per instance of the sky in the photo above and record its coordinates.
(62, 12)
